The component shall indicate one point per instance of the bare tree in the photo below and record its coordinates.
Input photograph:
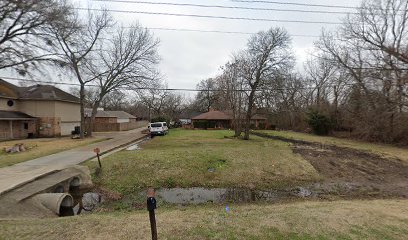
(285, 98)
(116, 100)
(23, 31)
(266, 55)
(383, 25)
(173, 105)
(233, 93)
(207, 96)
(320, 72)
(370, 51)
(153, 98)
(75, 42)
(128, 60)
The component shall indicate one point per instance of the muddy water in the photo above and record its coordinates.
(83, 200)
(136, 145)
(133, 147)
(225, 195)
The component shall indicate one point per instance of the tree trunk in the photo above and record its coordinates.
(237, 124)
(93, 116)
(238, 115)
(249, 114)
(81, 101)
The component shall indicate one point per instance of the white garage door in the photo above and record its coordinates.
(68, 127)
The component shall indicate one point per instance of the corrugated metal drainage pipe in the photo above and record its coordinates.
(56, 202)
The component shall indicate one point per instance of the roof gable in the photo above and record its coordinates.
(8, 90)
(35, 92)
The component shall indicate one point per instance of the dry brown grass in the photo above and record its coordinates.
(377, 219)
(40, 147)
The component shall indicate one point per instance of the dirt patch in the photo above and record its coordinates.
(107, 194)
(352, 173)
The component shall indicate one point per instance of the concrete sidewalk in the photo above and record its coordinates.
(21, 173)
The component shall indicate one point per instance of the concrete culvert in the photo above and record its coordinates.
(59, 203)
(75, 182)
(59, 189)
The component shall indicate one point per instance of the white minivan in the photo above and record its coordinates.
(158, 128)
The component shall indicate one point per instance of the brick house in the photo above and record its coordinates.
(36, 111)
(108, 121)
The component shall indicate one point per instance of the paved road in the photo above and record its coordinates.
(18, 174)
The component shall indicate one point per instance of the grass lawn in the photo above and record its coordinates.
(382, 149)
(375, 219)
(40, 147)
(183, 158)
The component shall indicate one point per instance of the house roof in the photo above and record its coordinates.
(8, 90)
(212, 115)
(258, 117)
(14, 115)
(189, 115)
(227, 115)
(110, 114)
(46, 92)
(36, 92)
(118, 114)
(243, 116)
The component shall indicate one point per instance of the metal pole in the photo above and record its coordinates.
(99, 160)
(153, 227)
(151, 205)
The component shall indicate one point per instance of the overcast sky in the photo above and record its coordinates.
(188, 57)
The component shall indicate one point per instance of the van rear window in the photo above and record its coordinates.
(156, 125)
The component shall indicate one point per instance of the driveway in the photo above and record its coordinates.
(21, 173)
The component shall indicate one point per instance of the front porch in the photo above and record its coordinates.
(16, 125)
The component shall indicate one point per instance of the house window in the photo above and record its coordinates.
(26, 126)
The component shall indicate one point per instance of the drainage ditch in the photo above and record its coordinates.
(229, 195)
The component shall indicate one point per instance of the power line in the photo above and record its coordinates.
(225, 32)
(378, 8)
(224, 7)
(361, 68)
(210, 16)
(295, 4)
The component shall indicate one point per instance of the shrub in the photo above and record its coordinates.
(320, 123)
